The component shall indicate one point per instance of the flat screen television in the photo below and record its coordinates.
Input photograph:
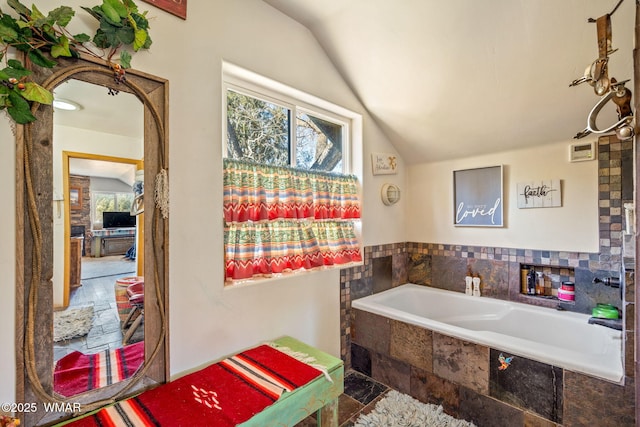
(118, 220)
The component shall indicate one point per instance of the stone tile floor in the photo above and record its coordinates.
(361, 394)
(97, 289)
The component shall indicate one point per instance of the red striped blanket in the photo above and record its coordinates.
(78, 372)
(226, 393)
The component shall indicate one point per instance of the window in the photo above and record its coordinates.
(291, 198)
(109, 202)
(261, 129)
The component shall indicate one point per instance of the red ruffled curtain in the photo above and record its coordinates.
(281, 219)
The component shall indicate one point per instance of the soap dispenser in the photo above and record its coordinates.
(468, 283)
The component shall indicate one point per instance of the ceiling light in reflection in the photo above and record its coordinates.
(66, 105)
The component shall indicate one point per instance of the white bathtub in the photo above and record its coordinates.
(558, 338)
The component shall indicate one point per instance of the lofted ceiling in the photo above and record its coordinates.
(120, 114)
(458, 78)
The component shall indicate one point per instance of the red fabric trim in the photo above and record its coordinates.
(240, 270)
(77, 372)
(212, 396)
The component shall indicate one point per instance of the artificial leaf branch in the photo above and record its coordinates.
(43, 38)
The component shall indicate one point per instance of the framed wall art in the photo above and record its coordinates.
(175, 7)
(75, 197)
(477, 197)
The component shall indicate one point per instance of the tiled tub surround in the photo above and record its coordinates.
(559, 338)
(465, 378)
(414, 360)
(451, 372)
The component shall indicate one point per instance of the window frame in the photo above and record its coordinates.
(294, 105)
(95, 220)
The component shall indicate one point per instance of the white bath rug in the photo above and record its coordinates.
(400, 410)
(72, 323)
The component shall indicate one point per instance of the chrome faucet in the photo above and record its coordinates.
(613, 282)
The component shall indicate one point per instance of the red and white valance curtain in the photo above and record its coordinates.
(281, 219)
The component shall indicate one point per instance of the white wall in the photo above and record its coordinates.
(572, 227)
(207, 321)
(7, 262)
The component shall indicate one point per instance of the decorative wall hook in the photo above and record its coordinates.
(607, 88)
(621, 96)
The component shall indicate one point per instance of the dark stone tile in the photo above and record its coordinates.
(382, 274)
(494, 277)
(347, 406)
(589, 401)
(527, 384)
(366, 410)
(461, 362)
(429, 388)
(400, 269)
(629, 286)
(370, 330)
(515, 285)
(629, 353)
(391, 372)
(588, 294)
(361, 288)
(533, 420)
(448, 273)
(360, 359)
(411, 344)
(627, 174)
(362, 388)
(419, 268)
(485, 411)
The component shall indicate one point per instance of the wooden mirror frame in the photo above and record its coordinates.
(34, 243)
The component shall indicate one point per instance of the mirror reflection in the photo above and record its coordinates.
(98, 278)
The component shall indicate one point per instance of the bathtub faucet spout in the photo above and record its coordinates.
(613, 282)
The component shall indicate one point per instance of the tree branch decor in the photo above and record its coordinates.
(43, 38)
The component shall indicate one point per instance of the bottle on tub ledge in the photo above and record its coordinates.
(540, 283)
(531, 281)
(476, 286)
(468, 283)
(524, 279)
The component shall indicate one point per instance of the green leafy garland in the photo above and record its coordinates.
(37, 34)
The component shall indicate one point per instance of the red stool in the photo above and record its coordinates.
(135, 292)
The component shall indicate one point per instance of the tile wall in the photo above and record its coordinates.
(535, 394)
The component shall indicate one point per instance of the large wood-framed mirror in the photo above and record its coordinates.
(37, 204)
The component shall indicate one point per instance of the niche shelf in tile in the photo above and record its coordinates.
(548, 279)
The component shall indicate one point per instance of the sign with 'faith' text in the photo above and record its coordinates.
(539, 194)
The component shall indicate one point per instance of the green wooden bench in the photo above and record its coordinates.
(319, 395)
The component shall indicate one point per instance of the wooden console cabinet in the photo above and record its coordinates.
(75, 261)
(117, 245)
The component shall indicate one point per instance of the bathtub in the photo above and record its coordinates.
(559, 338)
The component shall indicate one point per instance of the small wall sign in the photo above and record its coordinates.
(539, 194)
(384, 163)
